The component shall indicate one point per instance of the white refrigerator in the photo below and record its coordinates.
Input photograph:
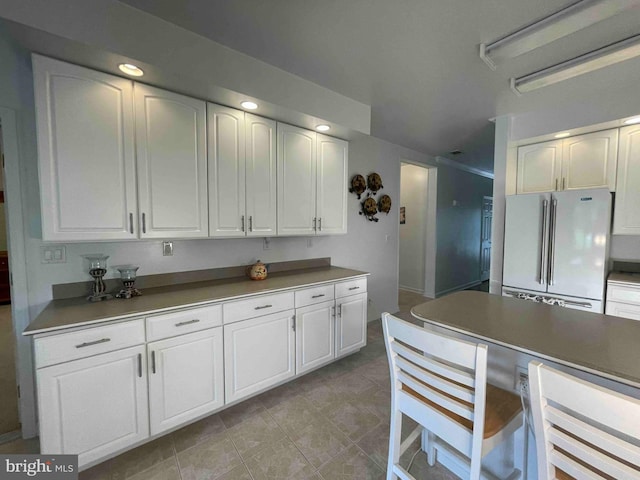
(556, 248)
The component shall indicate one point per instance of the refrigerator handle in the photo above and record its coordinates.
(545, 206)
(552, 239)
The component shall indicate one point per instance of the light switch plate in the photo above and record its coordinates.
(167, 249)
(53, 254)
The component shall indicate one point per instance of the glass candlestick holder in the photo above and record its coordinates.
(128, 277)
(98, 269)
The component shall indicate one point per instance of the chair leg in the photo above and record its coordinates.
(430, 448)
(395, 437)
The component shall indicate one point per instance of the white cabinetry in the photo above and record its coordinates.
(172, 168)
(623, 299)
(185, 378)
(583, 161)
(86, 155)
(94, 406)
(258, 353)
(626, 214)
(331, 209)
(315, 336)
(351, 316)
(242, 173)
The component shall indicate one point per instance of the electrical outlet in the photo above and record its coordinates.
(54, 254)
(521, 379)
(266, 245)
(167, 249)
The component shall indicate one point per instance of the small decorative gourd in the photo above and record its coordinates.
(257, 271)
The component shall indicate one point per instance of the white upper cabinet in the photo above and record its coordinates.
(626, 214)
(226, 159)
(589, 161)
(260, 176)
(539, 167)
(331, 209)
(296, 181)
(172, 164)
(86, 153)
(575, 163)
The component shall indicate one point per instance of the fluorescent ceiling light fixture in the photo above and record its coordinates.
(603, 57)
(632, 121)
(131, 69)
(323, 128)
(562, 135)
(249, 105)
(569, 20)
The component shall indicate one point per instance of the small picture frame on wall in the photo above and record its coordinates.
(403, 218)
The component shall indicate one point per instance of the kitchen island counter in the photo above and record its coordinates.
(602, 345)
(76, 312)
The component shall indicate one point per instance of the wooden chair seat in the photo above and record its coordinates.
(500, 409)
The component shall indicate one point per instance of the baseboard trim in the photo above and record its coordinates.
(411, 289)
(459, 287)
(10, 436)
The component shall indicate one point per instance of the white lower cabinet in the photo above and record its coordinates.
(258, 353)
(186, 378)
(94, 406)
(351, 323)
(315, 336)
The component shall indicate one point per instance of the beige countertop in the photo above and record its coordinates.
(600, 344)
(621, 278)
(75, 312)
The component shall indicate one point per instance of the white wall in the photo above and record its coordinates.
(414, 181)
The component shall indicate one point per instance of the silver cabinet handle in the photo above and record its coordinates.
(556, 184)
(293, 323)
(187, 322)
(251, 223)
(263, 306)
(153, 361)
(144, 223)
(552, 240)
(242, 220)
(320, 224)
(340, 310)
(354, 288)
(140, 365)
(545, 206)
(95, 342)
(563, 179)
(333, 311)
(131, 223)
(314, 223)
(318, 296)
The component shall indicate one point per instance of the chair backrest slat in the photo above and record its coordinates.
(583, 428)
(445, 402)
(436, 381)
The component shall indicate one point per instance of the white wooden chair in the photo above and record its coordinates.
(582, 430)
(440, 382)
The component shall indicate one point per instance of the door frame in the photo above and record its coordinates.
(485, 197)
(431, 225)
(18, 270)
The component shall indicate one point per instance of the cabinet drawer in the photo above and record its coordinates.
(257, 306)
(623, 310)
(351, 287)
(87, 342)
(184, 321)
(309, 296)
(624, 294)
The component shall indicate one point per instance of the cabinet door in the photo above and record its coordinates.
(185, 378)
(86, 155)
(258, 353)
(626, 214)
(261, 176)
(333, 155)
(226, 161)
(94, 406)
(589, 161)
(315, 336)
(172, 164)
(623, 310)
(296, 181)
(539, 167)
(351, 323)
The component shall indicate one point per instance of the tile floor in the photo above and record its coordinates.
(9, 421)
(332, 424)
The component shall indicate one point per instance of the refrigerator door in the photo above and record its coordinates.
(525, 241)
(579, 237)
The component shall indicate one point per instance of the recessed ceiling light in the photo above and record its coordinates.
(131, 69)
(631, 121)
(249, 105)
(562, 135)
(323, 128)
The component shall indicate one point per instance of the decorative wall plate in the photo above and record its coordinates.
(384, 205)
(374, 182)
(358, 185)
(369, 209)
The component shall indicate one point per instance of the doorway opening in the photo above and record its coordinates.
(485, 238)
(417, 246)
